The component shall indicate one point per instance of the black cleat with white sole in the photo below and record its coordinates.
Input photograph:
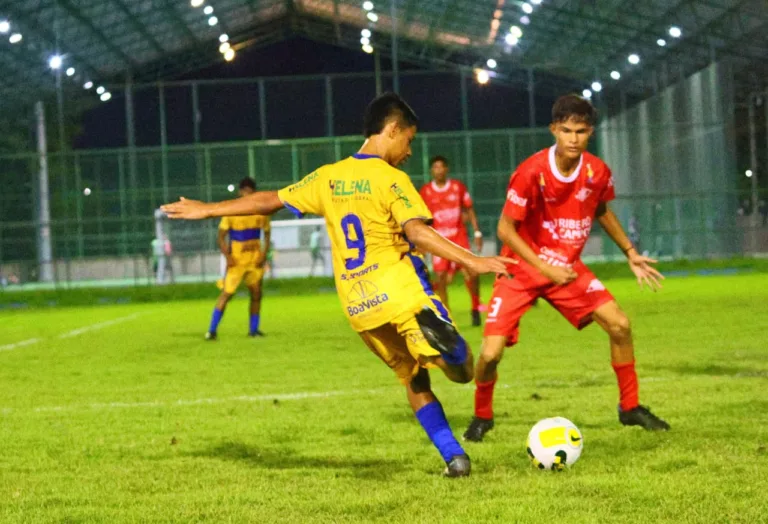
(459, 466)
(642, 416)
(442, 336)
(478, 428)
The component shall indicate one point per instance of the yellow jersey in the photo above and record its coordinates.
(366, 202)
(245, 234)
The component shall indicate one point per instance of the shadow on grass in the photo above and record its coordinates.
(717, 370)
(287, 459)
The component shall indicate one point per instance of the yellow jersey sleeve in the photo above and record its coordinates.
(304, 196)
(224, 224)
(405, 202)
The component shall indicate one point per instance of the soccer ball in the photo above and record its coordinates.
(554, 443)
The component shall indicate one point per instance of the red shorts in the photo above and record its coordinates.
(575, 301)
(441, 265)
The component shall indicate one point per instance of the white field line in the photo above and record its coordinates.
(9, 347)
(98, 325)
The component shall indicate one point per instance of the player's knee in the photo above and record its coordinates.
(492, 353)
(620, 328)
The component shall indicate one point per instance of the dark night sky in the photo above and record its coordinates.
(296, 109)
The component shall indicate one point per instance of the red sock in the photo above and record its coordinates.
(484, 399)
(627, 377)
(475, 297)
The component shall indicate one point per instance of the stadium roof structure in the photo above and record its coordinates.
(566, 43)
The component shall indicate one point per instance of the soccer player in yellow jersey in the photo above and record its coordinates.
(244, 241)
(376, 219)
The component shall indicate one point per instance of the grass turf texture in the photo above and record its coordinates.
(142, 421)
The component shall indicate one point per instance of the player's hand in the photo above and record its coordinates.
(559, 275)
(261, 261)
(498, 265)
(646, 274)
(231, 261)
(186, 209)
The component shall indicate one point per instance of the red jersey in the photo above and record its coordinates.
(446, 204)
(555, 212)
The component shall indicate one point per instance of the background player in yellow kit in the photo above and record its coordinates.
(244, 241)
(375, 218)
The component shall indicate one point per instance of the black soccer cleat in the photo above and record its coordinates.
(478, 428)
(642, 416)
(476, 318)
(459, 466)
(441, 335)
(211, 336)
(256, 333)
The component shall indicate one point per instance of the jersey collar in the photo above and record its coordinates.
(363, 156)
(445, 188)
(556, 171)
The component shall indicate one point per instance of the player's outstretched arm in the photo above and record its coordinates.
(428, 240)
(640, 265)
(507, 231)
(258, 203)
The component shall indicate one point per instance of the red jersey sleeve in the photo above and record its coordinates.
(520, 194)
(465, 197)
(609, 192)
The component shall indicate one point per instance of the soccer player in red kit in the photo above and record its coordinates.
(450, 204)
(552, 199)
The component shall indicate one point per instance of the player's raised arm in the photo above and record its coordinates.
(640, 265)
(428, 240)
(258, 203)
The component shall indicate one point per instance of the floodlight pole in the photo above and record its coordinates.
(44, 250)
(754, 222)
(395, 65)
(531, 99)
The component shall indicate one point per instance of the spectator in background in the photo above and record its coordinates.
(762, 208)
(314, 248)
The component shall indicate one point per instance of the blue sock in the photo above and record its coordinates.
(215, 319)
(432, 419)
(459, 355)
(255, 319)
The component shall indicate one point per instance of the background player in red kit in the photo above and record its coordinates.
(552, 200)
(450, 203)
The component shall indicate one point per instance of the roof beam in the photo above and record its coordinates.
(85, 21)
(139, 27)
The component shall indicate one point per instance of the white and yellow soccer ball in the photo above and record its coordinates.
(554, 443)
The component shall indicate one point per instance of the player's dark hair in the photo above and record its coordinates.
(438, 158)
(247, 182)
(383, 109)
(574, 106)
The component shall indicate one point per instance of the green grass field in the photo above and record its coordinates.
(124, 414)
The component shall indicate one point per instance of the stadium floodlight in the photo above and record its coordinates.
(365, 41)
(368, 6)
(208, 10)
(87, 191)
(106, 96)
(366, 33)
(15, 38)
(587, 93)
(231, 188)
(675, 32)
(373, 17)
(368, 48)
(511, 39)
(527, 8)
(88, 85)
(55, 62)
(661, 42)
(633, 59)
(525, 19)
(197, 3)
(748, 172)
(482, 76)
(212, 21)
(615, 75)
(597, 86)
(223, 48)
(516, 31)
(5, 26)
(100, 90)
(491, 63)
(229, 55)
(70, 71)
(223, 37)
